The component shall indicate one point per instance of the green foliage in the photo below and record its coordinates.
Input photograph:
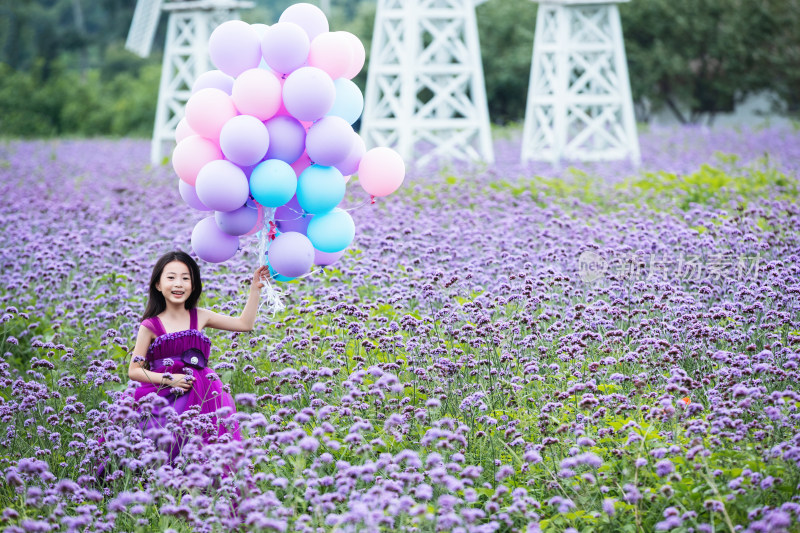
(506, 34)
(712, 185)
(68, 103)
(699, 58)
(696, 58)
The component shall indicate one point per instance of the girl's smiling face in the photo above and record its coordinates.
(175, 282)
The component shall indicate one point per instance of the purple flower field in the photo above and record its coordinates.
(503, 348)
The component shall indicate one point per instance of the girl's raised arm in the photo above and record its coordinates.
(247, 320)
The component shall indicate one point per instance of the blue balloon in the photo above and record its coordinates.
(320, 189)
(349, 102)
(273, 183)
(332, 231)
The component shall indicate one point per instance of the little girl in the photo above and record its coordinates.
(170, 357)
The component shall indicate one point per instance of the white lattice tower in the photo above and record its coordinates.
(425, 93)
(189, 26)
(579, 98)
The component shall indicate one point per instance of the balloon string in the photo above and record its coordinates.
(271, 296)
(303, 214)
(362, 204)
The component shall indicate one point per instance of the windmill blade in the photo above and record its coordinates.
(143, 27)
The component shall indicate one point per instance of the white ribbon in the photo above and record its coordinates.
(271, 296)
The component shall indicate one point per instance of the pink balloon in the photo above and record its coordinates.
(244, 140)
(349, 165)
(285, 47)
(213, 79)
(191, 154)
(183, 130)
(302, 163)
(308, 16)
(259, 221)
(257, 92)
(309, 93)
(208, 110)
(329, 140)
(381, 171)
(189, 195)
(234, 47)
(359, 55)
(332, 52)
(211, 243)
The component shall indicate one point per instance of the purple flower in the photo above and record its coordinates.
(631, 493)
(309, 444)
(664, 467)
(532, 457)
(563, 504)
(423, 491)
(504, 472)
(246, 399)
(608, 506)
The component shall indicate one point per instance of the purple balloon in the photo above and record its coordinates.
(234, 47)
(212, 244)
(222, 186)
(238, 221)
(324, 258)
(311, 18)
(308, 93)
(285, 47)
(213, 79)
(189, 195)
(287, 138)
(349, 165)
(290, 217)
(329, 140)
(260, 29)
(244, 140)
(291, 254)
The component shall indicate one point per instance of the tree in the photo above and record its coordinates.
(696, 57)
(506, 31)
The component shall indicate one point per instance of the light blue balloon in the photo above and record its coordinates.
(332, 231)
(273, 183)
(320, 189)
(349, 102)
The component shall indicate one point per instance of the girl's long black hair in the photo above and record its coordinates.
(155, 301)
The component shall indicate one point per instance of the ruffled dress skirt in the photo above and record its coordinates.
(206, 396)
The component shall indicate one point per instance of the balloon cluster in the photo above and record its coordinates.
(267, 142)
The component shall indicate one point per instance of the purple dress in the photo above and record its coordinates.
(207, 393)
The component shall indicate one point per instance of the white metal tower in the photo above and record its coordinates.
(579, 98)
(189, 26)
(425, 93)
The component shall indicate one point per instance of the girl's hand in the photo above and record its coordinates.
(181, 381)
(259, 276)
